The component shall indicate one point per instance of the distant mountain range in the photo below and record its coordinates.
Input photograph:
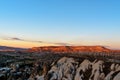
(6, 48)
(60, 49)
(71, 49)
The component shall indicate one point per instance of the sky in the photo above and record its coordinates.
(32, 23)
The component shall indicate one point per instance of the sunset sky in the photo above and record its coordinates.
(32, 23)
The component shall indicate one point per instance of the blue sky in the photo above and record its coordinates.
(78, 22)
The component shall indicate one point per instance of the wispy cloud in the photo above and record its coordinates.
(63, 44)
(20, 39)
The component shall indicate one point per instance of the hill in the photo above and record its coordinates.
(6, 48)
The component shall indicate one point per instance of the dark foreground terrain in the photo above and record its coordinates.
(57, 66)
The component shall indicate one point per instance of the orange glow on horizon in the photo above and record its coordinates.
(21, 44)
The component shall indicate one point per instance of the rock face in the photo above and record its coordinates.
(70, 69)
(65, 68)
(69, 49)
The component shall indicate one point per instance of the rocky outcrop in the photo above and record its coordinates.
(65, 68)
(70, 69)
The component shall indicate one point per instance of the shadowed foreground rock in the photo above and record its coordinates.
(65, 68)
(71, 69)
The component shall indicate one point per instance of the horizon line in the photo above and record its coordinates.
(108, 47)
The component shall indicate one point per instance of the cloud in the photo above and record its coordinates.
(63, 44)
(20, 39)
